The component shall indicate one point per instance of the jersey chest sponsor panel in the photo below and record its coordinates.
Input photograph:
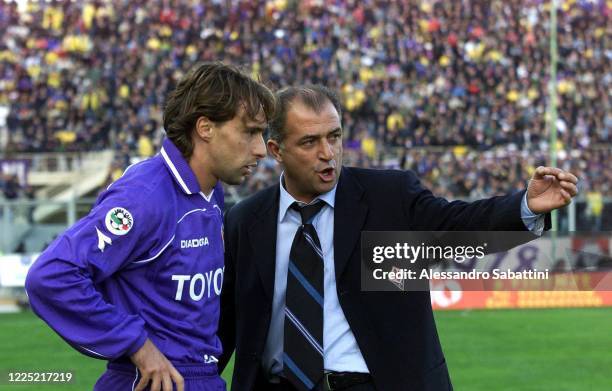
(193, 270)
(188, 272)
(181, 288)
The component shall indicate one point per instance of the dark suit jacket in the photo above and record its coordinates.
(395, 331)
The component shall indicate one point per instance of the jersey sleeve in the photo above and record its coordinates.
(123, 226)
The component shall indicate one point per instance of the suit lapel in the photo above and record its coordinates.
(262, 236)
(350, 212)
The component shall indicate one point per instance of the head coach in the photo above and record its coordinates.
(292, 305)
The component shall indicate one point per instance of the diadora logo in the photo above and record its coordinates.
(192, 243)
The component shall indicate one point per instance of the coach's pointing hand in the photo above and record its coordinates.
(155, 368)
(550, 188)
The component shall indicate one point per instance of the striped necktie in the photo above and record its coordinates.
(303, 344)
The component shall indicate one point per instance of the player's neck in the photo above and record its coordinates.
(205, 177)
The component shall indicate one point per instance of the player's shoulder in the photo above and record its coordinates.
(146, 186)
(142, 201)
(143, 179)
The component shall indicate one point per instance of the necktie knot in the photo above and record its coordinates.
(308, 212)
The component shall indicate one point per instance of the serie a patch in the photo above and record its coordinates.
(119, 221)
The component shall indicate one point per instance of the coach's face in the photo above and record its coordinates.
(311, 151)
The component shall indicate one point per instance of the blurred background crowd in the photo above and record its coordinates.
(455, 90)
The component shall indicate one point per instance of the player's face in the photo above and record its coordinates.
(236, 147)
(311, 151)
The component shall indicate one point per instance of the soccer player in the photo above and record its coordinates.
(137, 281)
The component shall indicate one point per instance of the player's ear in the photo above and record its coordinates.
(275, 150)
(204, 128)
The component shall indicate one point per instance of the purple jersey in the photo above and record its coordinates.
(146, 262)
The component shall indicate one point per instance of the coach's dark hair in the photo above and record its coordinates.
(216, 91)
(314, 97)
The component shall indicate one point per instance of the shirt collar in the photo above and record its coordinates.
(179, 168)
(287, 199)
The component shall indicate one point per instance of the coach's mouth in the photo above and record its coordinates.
(327, 175)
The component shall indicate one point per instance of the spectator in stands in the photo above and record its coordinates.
(594, 209)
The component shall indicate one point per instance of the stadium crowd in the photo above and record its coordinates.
(456, 90)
